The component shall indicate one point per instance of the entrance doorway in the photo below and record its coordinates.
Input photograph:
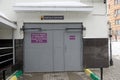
(53, 47)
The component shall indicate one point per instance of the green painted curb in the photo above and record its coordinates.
(18, 73)
(94, 76)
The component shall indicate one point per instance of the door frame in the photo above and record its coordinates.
(23, 29)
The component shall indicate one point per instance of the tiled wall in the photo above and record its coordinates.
(96, 53)
(18, 55)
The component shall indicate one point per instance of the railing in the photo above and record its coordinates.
(6, 54)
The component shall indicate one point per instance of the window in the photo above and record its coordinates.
(117, 12)
(117, 1)
(117, 22)
(114, 35)
(118, 32)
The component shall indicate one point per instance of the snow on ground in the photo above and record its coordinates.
(116, 48)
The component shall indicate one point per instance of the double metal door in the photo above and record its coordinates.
(52, 50)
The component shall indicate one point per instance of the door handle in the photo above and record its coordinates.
(82, 28)
(31, 29)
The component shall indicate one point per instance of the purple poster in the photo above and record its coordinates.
(39, 38)
(72, 37)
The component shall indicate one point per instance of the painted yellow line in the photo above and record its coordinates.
(91, 74)
(13, 78)
(88, 72)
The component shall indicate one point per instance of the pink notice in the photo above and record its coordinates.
(39, 38)
(72, 37)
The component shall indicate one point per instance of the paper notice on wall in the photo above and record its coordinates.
(72, 37)
(39, 38)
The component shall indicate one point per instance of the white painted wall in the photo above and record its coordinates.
(95, 22)
(19, 1)
(6, 7)
(96, 26)
(5, 33)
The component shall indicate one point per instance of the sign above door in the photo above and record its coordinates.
(48, 17)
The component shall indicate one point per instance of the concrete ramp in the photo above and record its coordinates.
(55, 76)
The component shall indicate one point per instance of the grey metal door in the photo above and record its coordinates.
(38, 51)
(51, 47)
(73, 50)
(58, 50)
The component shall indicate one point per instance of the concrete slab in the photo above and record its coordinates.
(111, 73)
(32, 76)
(56, 76)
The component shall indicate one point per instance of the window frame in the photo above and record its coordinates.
(117, 22)
(116, 2)
(117, 12)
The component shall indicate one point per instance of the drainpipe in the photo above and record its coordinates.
(104, 1)
(13, 46)
(110, 36)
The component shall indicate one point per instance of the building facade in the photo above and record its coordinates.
(114, 18)
(49, 32)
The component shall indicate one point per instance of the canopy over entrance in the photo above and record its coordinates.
(6, 23)
(52, 6)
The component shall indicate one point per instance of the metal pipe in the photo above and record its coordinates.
(104, 1)
(101, 70)
(111, 61)
(13, 46)
(4, 76)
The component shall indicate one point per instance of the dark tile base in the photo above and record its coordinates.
(18, 55)
(95, 53)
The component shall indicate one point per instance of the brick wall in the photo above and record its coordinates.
(112, 7)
